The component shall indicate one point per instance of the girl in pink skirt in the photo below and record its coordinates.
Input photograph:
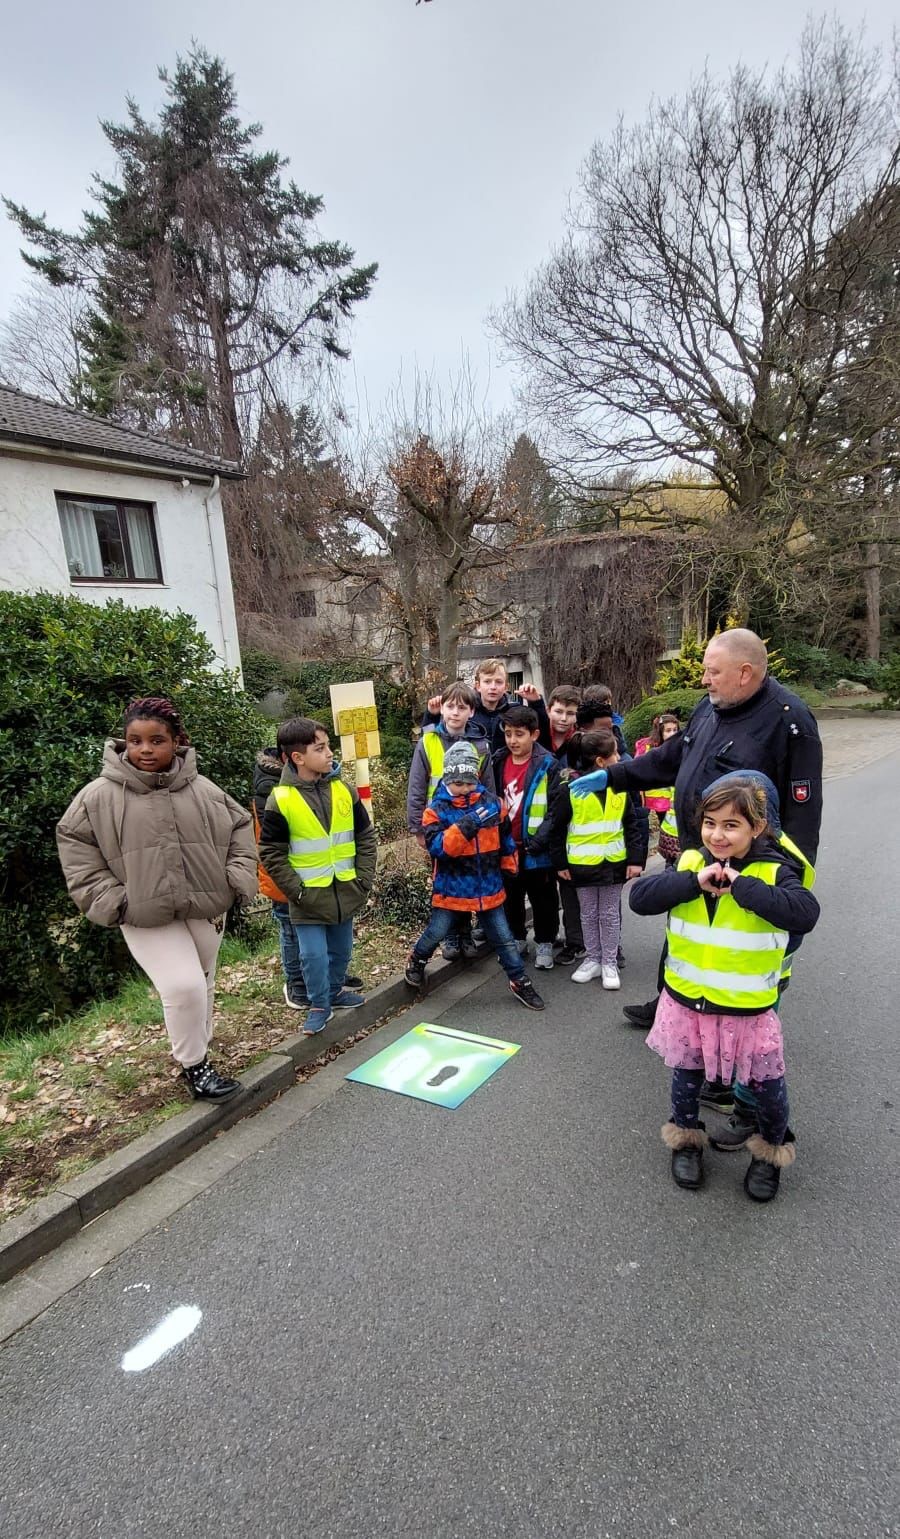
(732, 906)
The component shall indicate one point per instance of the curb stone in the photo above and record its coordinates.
(60, 1214)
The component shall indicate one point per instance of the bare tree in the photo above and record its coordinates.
(701, 310)
(437, 500)
(40, 347)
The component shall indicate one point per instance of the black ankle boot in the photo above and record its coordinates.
(766, 1163)
(207, 1084)
(686, 1145)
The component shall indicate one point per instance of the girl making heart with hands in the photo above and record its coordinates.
(731, 906)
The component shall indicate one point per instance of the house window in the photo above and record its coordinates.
(305, 604)
(514, 680)
(109, 541)
(671, 624)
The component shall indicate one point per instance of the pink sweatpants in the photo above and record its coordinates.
(180, 961)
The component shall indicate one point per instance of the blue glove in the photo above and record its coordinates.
(589, 785)
(468, 825)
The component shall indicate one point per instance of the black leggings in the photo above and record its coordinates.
(770, 1095)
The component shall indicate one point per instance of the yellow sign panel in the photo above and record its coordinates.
(356, 719)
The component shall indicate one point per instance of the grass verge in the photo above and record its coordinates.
(76, 1092)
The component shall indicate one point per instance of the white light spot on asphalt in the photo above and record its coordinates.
(175, 1328)
(625, 1268)
(131, 1287)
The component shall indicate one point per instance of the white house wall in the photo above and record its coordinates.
(190, 533)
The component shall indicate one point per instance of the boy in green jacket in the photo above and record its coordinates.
(318, 845)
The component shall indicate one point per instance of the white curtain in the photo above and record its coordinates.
(140, 538)
(80, 539)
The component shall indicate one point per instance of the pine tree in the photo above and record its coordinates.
(208, 286)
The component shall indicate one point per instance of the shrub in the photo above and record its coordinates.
(389, 797)
(686, 670)
(680, 702)
(890, 681)
(402, 895)
(67, 669)
(822, 668)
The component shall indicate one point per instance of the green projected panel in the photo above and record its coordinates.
(436, 1064)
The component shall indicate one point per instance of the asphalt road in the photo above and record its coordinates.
(505, 1320)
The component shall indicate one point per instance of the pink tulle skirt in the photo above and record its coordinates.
(744, 1047)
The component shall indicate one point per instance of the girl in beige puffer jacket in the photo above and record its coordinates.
(157, 849)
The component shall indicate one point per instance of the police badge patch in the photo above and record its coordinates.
(800, 790)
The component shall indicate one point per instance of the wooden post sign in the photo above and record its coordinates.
(356, 723)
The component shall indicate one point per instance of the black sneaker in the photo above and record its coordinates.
(350, 982)
(207, 1084)
(296, 997)
(468, 946)
(415, 971)
(740, 1126)
(620, 959)
(717, 1096)
(451, 950)
(526, 993)
(569, 954)
(641, 1015)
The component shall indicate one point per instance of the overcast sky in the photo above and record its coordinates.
(444, 137)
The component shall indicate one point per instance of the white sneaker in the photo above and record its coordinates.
(610, 978)
(587, 971)
(543, 955)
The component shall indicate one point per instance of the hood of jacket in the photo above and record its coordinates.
(119, 769)
(267, 769)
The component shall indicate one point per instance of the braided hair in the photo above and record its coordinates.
(158, 708)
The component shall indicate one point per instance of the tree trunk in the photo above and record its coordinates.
(872, 588)
(449, 624)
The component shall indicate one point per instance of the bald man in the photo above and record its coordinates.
(748, 721)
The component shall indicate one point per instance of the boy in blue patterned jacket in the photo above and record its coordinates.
(469, 839)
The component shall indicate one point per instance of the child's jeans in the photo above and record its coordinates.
(287, 940)
(497, 933)
(770, 1095)
(325, 954)
(601, 920)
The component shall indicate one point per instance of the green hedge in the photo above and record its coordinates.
(679, 702)
(306, 685)
(67, 670)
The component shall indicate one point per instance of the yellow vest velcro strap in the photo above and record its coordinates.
(742, 985)
(729, 940)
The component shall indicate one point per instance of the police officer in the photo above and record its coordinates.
(748, 722)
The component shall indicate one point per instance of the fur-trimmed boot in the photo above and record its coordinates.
(766, 1164)
(686, 1145)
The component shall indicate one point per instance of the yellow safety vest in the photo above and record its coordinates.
(669, 824)
(808, 878)
(595, 831)
(537, 810)
(434, 746)
(317, 856)
(734, 960)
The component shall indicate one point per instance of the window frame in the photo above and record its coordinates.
(119, 503)
(312, 596)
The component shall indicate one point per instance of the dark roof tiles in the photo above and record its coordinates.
(29, 420)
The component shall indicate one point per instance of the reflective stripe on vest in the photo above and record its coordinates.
(669, 824)
(734, 961)
(319, 857)
(435, 747)
(593, 839)
(537, 810)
